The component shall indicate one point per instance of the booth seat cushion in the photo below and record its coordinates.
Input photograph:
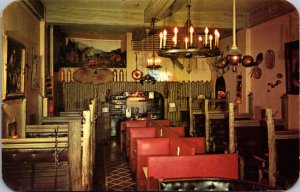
(211, 184)
(32, 155)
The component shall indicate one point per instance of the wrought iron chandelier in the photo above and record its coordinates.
(153, 62)
(189, 42)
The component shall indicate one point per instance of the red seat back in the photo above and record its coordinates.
(138, 132)
(208, 165)
(146, 147)
(197, 142)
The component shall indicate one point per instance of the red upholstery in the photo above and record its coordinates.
(132, 123)
(180, 147)
(170, 132)
(141, 132)
(161, 122)
(209, 165)
(157, 147)
(197, 142)
(145, 147)
(136, 123)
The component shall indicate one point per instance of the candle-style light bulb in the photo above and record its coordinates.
(210, 41)
(206, 35)
(191, 35)
(165, 37)
(200, 40)
(217, 35)
(160, 39)
(186, 42)
(175, 36)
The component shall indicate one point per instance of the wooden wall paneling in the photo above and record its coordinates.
(75, 92)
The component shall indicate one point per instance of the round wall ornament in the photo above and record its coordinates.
(270, 59)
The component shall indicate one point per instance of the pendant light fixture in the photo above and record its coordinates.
(234, 56)
(190, 42)
(153, 62)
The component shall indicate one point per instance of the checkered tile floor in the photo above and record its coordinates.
(119, 176)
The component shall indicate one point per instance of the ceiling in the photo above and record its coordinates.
(116, 17)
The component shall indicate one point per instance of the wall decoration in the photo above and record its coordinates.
(93, 53)
(15, 63)
(270, 59)
(93, 76)
(292, 67)
(34, 78)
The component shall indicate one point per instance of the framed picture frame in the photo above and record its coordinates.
(292, 67)
(92, 53)
(14, 60)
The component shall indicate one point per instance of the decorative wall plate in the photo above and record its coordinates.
(270, 59)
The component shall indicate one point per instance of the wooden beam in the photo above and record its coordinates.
(95, 17)
(157, 9)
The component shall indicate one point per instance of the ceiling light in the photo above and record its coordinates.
(153, 62)
(190, 42)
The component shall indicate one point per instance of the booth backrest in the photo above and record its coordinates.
(197, 142)
(132, 123)
(149, 146)
(161, 122)
(157, 147)
(170, 132)
(136, 123)
(208, 165)
(138, 132)
(181, 147)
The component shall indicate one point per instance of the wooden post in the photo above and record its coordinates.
(207, 128)
(86, 151)
(231, 129)
(92, 142)
(272, 147)
(74, 154)
(191, 116)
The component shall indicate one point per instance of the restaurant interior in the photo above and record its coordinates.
(149, 95)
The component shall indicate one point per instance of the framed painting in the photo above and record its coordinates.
(292, 67)
(14, 73)
(92, 53)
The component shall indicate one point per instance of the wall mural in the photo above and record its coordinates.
(92, 53)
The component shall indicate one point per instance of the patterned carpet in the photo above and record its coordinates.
(119, 176)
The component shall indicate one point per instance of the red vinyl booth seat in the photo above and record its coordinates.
(197, 166)
(156, 147)
(161, 122)
(140, 132)
(170, 132)
(197, 142)
(132, 123)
